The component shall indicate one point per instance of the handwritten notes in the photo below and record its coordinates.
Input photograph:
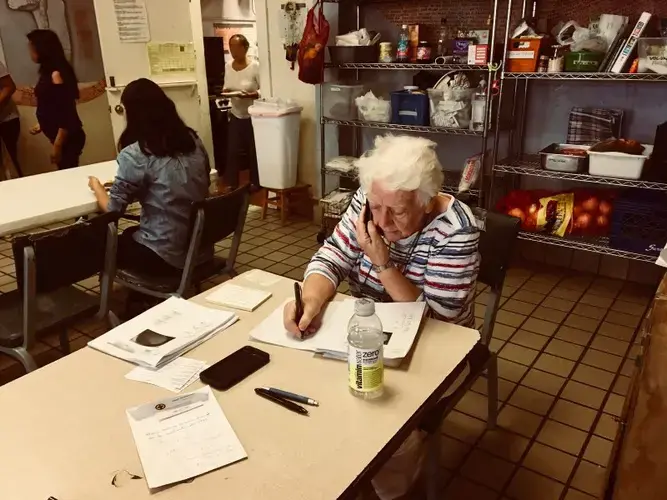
(183, 437)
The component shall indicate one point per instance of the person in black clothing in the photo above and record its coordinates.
(57, 91)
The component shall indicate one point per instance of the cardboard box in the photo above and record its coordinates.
(523, 54)
(478, 54)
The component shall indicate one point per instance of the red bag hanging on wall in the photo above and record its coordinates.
(312, 46)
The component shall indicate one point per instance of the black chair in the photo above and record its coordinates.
(212, 220)
(48, 264)
(496, 245)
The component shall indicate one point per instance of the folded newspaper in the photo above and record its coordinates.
(163, 333)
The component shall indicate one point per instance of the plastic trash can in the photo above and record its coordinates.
(276, 124)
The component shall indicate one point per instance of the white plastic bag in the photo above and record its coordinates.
(581, 38)
(373, 109)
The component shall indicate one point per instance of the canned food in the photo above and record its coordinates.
(386, 52)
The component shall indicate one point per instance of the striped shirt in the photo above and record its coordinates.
(441, 260)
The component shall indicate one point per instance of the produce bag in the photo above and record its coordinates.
(580, 212)
(313, 43)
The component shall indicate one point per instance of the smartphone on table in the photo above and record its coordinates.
(229, 371)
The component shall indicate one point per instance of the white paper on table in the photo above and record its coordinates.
(174, 376)
(261, 278)
(186, 323)
(662, 258)
(399, 319)
(183, 437)
(238, 297)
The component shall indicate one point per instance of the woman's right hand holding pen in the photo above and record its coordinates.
(311, 318)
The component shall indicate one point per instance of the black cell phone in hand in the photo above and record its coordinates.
(369, 218)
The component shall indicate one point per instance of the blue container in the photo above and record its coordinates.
(409, 108)
(639, 222)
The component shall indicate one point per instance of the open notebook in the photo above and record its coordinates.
(400, 322)
(163, 333)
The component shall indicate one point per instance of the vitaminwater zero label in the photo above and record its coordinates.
(366, 369)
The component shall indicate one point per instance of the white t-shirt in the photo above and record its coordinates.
(248, 80)
(8, 110)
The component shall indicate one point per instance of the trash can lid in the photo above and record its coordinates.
(274, 107)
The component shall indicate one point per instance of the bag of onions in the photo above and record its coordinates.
(581, 212)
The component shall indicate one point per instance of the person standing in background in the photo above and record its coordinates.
(57, 91)
(241, 75)
(10, 126)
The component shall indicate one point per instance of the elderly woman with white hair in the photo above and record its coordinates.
(419, 246)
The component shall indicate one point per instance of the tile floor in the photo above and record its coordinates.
(566, 344)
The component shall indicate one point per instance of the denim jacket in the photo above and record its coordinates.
(165, 187)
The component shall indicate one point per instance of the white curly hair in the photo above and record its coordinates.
(402, 163)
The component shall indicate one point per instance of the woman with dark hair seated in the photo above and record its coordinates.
(57, 91)
(163, 165)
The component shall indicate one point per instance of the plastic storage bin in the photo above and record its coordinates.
(639, 222)
(338, 100)
(409, 108)
(450, 108)
(620, 165)
(276, 125)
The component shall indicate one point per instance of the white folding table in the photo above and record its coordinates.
(42, 199)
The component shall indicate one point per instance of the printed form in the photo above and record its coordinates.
(183, 437)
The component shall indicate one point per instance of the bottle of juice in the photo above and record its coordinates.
(403, 45)
(365, 340)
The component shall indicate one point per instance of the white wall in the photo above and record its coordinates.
(215, 11)
(278, 80)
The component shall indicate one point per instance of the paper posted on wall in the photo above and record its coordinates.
(132, 21)
(163, 333)
(182, 437)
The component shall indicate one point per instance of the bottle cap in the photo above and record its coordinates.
(411, 87)
(364, 307)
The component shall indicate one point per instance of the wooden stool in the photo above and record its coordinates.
(284, 198)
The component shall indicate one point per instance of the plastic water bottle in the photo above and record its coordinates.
(365, 340)
(403, 45)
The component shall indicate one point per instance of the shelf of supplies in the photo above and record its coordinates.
(623, 77)
(349, 174)
(530, 165)
(411, 66)
(405, 128)
(597, 245)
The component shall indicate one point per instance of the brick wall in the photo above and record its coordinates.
(474, 13)
(583, 12)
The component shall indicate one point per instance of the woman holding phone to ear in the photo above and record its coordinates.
(400, 240)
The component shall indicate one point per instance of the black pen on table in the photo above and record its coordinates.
(291, 396)
(282, 402)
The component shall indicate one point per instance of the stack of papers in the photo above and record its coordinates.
(238, 297)
(400, 323)
(163, 333)
(175, 376)
(183, 437)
